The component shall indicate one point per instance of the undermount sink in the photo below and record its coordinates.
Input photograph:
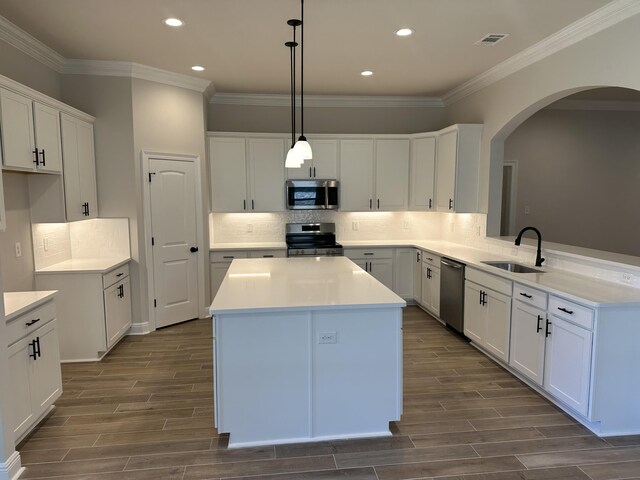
(513, 267)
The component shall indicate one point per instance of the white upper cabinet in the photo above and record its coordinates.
(423, 169)
(458, 168)
(392, 174)
(323, 165)
(266, 165)
(356, 175)
(30, 134)
(228, 167)
(374, 174)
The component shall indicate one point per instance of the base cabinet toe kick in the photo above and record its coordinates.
(583, 359)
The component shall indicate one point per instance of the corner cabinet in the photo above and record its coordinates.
(458, 168)
(423, 168)
(378, 262)
(247, 174)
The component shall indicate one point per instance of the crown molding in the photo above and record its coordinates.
(273, 100)
(606, 16)
(134, 70)
(18, 38)
(602, 105)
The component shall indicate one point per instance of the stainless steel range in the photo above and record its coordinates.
(312, 240)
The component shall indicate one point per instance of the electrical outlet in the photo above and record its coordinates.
(328, 337)
(249, 227)
(18, 250)
(627, 277)
(405, 225)
(527, 210)
(45, 244)
(355, 226)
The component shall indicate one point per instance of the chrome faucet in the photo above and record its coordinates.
(539, 258)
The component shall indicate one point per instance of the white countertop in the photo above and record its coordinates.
(263, 284)
(85, 265)
(221, 247)
(17, 303)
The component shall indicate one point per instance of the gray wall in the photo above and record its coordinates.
(17, 273)
(22, 68)
(579, 172)
(242, 118)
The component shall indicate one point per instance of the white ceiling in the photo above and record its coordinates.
(241, 42)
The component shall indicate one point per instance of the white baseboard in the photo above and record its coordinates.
(12, 468)
(139, 329)
(205, 313)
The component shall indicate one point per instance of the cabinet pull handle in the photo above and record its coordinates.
(370, 267)
(547, 332)
(120, 291)
(428, 272)
(430, 203)
(430, 259)
(43, 159)
(85, 209)
(378, 204)
(480, 300)
(314, 172)
(417, 256)
(253, 205)
(33, 353)
(244, 204)
(451, 204)
(37, 160)
(120, 274)
(368, 253)
(526, 295)
(370, 204)
(32, 322)
(562, 309)
(228, 256)
(310, 175)
(267, 256)
(539, 328)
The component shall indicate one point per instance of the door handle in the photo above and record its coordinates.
(193, 249)
(33, 353)
(539, 328)
(37, 160)
(547, 332)
(43, 159)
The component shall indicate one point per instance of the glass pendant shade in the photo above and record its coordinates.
(293, 159)
(303, 148)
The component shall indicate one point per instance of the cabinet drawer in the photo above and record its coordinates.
(368, 253)
(268, 253)
(113, 276)
(29, 322)
(499, 284)
(530, 296)
(431, 259)
(571, 311)
(227, 256)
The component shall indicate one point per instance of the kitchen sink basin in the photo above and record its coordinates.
(513, 267)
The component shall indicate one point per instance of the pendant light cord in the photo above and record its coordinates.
(293, 105)
(302, 68)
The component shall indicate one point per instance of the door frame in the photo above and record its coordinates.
(513, 198)
(148, 250)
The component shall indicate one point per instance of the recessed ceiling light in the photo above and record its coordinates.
(366, 73)
(197, 68)
(404, 32)
(173, 22)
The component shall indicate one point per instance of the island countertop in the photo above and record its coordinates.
(265, 284)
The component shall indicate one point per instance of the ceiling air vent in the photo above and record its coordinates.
(491, 38)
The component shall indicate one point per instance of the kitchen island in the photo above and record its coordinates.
(305, 349)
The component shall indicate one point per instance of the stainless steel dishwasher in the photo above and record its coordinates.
(452, 294)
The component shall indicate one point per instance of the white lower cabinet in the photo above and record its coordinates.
(528, 340)
(403, 275)
(376, 261)
(431, 288)
(94, 310)
(35, 381)
(417, 276)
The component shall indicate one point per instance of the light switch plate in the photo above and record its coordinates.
(328, 337)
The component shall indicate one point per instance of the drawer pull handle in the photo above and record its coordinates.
(526, 295)
(28, 324)
(565, 310)
(430, 259)
(267, 256)
(120, 274)
(368, 253)
(228, 256)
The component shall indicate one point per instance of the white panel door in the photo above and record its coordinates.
(528, 341)
(19, 367)
(18, 143)
(475, 317)
(356, 175)
(228, 167)
(446, 171)
(498, 311)
(392, 174)
(47, 136)
(87, 168)
(266, 162)
(46, 379)
(423, 169)
(173, 219)
(568, 364)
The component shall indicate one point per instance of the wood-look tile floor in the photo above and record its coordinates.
(145, 412)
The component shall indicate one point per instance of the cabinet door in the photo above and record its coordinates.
(356, 175)
(527, 341)
(87, 169)
(392, 174)
(475, 316)
(417, 276)
(71, 166)
(431, 288)
(382, 270)
(403, 274)
(228, 167)
(16, 118)
(325, 159)
(218, 272)
(46, 379)
(446, 171)
(117, 306)
(498, 312)
(266, 161)
(568, 364)
(47, 137)
(20, 413)
(423, 169)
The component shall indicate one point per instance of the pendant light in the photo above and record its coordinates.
(294, 159)
(302, 146)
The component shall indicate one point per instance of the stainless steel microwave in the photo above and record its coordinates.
(312, 194)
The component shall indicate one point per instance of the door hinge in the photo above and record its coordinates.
(151, 173)
(153, 241)
(155, 303)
